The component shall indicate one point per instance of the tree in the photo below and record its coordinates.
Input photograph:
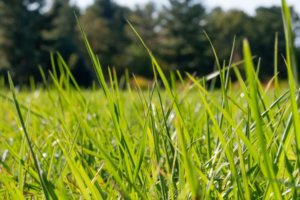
(65, 36)
(183, 42)
(136, 56)
(104, 24)
(222, 26)
(268, 21)
(260, 30)
(174, 35)
(22, 46)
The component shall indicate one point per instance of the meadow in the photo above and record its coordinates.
(116, 141)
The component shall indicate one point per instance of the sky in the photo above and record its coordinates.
(247, 5)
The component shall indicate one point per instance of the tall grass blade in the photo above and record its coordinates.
(47, 188)
(291, 55)
(270, 174)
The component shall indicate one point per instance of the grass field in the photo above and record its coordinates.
(167, 142)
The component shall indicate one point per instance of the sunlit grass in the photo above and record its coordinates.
(167, 142)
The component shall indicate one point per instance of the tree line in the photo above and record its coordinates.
(31, 29)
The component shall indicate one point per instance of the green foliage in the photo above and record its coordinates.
(184, 142)
(23, 46)
(142, 18)
(174, 33)
(260, 31)
(64, 34)
(182, 40)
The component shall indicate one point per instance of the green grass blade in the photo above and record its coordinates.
(21, 170)
(47, 189)
(243, 169)
(270, 175)
(276, 84)
(143, 141)
(189, 166)
(289, 39)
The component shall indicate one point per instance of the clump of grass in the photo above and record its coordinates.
(156, 144)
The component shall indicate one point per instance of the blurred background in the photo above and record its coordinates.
(172, 29)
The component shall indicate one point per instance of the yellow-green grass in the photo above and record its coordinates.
(166, 142)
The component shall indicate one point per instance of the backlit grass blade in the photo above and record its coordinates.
(228, 151)
(214, 74)
(143, 141)
(21, 168)
(13, 191)
(243, 170)
(51, 164)
(178, 139)
(228, 118)
(76, 173)
(269, 175)
(223, 84)
(120, 136)
(30, 170)
(275, 103)
(210, 182)
(167, 86)
(53, 65)
(276, 84)
(171, 95)
(47, 189)
(60, 89)
(230, 62)
(64, 169)
(71, 76)
(295, 113)
(291, 55)
(290, 170)
(167, 129)
(156, 137)
(23, 107)
(189, 167)
(285, 143)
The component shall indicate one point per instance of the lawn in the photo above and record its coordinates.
(170, 141)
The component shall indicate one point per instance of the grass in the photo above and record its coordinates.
(167, 142)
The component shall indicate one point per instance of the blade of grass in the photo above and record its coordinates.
(289, 39)
(270, 175)
(48, 191)
(143, 140)
(276, 84)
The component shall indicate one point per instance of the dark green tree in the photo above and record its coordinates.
(268, 21)
(66, 37)
(136, 56)
(104, 24)
(222, 26)
(183, 43)
(259, 29)
(23, 46)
